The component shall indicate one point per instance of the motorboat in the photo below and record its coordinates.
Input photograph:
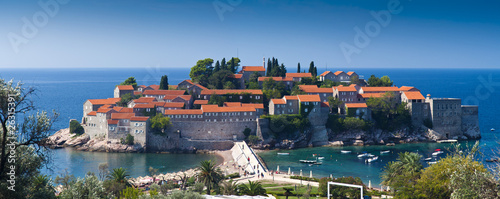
(321, 158)
(382, 152)
(427, 159)
(308, 161)
(371, 155)
(372, 159)
(432, 162)
(363, 155)
(345, 151)
(492, 129)
(283, 153)
(437, 153)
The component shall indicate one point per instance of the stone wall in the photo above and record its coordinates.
(447, 116)
(470, 122)
(202, 130)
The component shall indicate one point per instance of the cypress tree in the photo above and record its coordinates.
(164, 82)
(231, 65)
(217, 66)
(298, 67)
(269, 67)
(311, 67)
(283, 70)
(315, 71)
(223, 65)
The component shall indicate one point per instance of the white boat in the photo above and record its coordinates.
(372, 159)
(345, 151)
(321, 158)
(283, 153)
(308, 161)
(492, 129)
(371, 156)
(427, 159)
(363, 155)
(437, 153)
(431, 162)
(382, 152)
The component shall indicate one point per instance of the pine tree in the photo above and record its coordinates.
(217, 66)
(283, 70)
(223, 65)
(269, 67)
(164, 82)
(298, 67)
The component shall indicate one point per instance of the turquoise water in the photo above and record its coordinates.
(79, 163)
(339, 165)
(65, 90)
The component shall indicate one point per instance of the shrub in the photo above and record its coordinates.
(129, 139)
(232, 176)
(75, 127)
(353, 123)
(247, 132)
(253, 139)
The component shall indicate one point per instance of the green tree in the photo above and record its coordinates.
(88, 187)
(254, 77)
(42, 187)
(253, 139)
(386, 81)
(164, 82)
(298, 67)
(201, 71)
(229, 187)
(233, 64)
(252, 189)
(247, 132)
(209, 174)
(219, 78)
(353, 123)
(311, 68)
(217, 66)
(388, 112)
(402, 175)
(125, 99)
(75, 127)
(377, 82)
(334, 104)
(159, 123)
(131, 193)
(31, 132)
(355, 80)
(185, 194)
(118, 175)
(129, 140)
(223, 65)
(103, 170)
(130, 81)
(229, 85)
(269, 67)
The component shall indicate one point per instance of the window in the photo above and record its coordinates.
(250, 113)
(136, 131)
(289, 104)
(314, 110)
(245, 113)
(305, 110)
(257, 97)
(250, 97)
(215, 120)
(148, 109)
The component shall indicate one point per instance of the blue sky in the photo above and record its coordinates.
(176, 33)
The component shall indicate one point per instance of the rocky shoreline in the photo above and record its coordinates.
(63, 138)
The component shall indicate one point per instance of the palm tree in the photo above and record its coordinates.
(229, 188)
(252, 189)
(119, 175)
(209, 174)
(405, 171)
(42, 187)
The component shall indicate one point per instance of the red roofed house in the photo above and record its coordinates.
(160, 94)
(142, 100)
(339, 76)
(246, 71)
(121, 90)
(94, 104)
(358, 110)
(186, 99)
(346, 94)
(323, 93)
(235, 95)
(298, 76)
(415, 102)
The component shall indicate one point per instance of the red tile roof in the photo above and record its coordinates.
(137, 93)
(142, 119)
(215, 109)
(350, 73)
(103, 110)
(185, 97)
(289, 79)
(184, 112)
(375, 95)
(163, 92)
(106, 106)
(325, 73)
(155, 87)
(315, 89)
(230, 104)
(253, 68)
(144, 106)
(309, 98)
(104, 101)
(200, 102)
(413, 95)
(201, 87)
(356, 105)
(145, 100)
(238, 76)
(342, 88)
(123, 109)
(121, 116)
(338, 72)
(380, 89)
(325, 104)
(170, 97)
(125, 87)
(173, 105)
(231, 91)
(408, 88)
(112, 122)
(278, 101)
(298, 75)
(256, 106)
(92, 113)
(291, 97)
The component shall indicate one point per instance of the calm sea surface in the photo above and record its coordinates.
(65, 90)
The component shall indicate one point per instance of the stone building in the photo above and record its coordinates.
(415, 102)
(358, 110)
(323, 93)
(339, 76)
(121, 90)
(446, 116)
(246, 71)
(94, 104)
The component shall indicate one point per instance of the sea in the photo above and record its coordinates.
(65, 90)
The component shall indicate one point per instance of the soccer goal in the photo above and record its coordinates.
(345, 185)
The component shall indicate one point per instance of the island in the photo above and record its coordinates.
(269, 108)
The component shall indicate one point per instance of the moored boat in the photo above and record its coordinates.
(382, 152)
(345, 151)
(307, 161)
(363, 155)
(372, 159)
(283, 153)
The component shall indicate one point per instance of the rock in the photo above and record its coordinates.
(336, 143)
(358, 143)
